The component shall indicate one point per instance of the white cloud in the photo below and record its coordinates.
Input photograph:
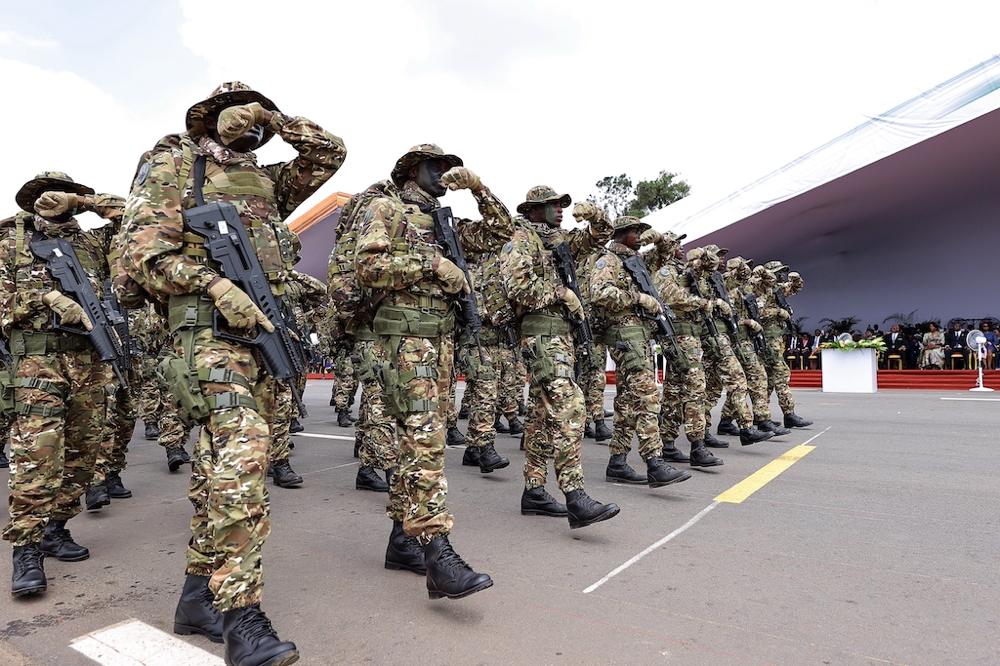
(10, 38)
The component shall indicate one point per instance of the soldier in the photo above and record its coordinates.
(416, 287)
(59, 381)
(592, 372)
(212, 160)
(119, 426)
(511, 381)
(548, 311)
(775, 319)
(618, 321)
(5, 424)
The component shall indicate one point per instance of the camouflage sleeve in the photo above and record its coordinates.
(587, 240)
(320, 156)
(659, 256)
(8, 288)
(517, 266)
(792, 287)
(605, 289)
(22, 291)
(768, 307)
(111, 207)
(496, 228)
(673, 294)
(153, 232)
(378, 267)
(312, 291)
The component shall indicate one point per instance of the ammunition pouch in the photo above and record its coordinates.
(25, 342)
(366, 364)
(633, 344)
(688, 328)
(545, 325)
(542, 367)
(6, 391)
(396, 390)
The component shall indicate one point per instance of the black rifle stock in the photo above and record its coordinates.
(779, 297)
(124, 334)
(664, 320)
(758, 338)
(563, 256)
(227, 243)
(706, 317)
(5, 356)
(468, 309)
(719, 286)
(65, 267)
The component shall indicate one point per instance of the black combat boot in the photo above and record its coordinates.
(4, 463)
(251, 640)
(448, 575)
(537, 502)
(588, 430)
(601, 431)
(344, 418)
(582, 510)
(671, 453)
(727, 427)
(97, 497)
(357, 445)
(522, 410)
(284, 475)
(769, 426)
(333, 402)
(471, 457)
(455, 437)
(368, 479)
(515, 425)
(500, 427)
(152, 432)
(794, 421)
(521, 447)
(700, 457)
(619, 471)
(404, 553)
(713, 443)
(195, 613)
(659, 473)
(29, 575)
(58, 543)
(608, 413)
(751, 435)
(113, 484)
(463, 413)
(490, 460)
(295, 427)
(176, 458)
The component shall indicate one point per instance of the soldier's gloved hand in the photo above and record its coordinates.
(650, 236)
(69, 311)
(753, 325)
(572, 302)
(795, 279)
(461, 178)
(707, 305)
(723, 307)
(648, 303)
(586, 210)
(234, 121)
(451, 275)
(783, 314)
(53, 204)
(237, 307)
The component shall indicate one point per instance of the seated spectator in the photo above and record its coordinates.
(932, 355)
(914, 347)
(955, 348)
(793, 352)
(991, 345)
(814, 359)
(895, 343)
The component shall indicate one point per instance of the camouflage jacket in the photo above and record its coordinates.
(530, 275)
(25, 279)
(397, 244)
(673, 286)
(494, 307)
(149, 331)
(613, 291)
(164, 260)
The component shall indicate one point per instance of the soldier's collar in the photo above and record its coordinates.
(414, 194)
(55, 229)
(621, 250)
(223, 154)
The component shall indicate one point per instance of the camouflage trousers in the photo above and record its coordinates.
(684, 394)
(637, 402)
(511, 382)
(375, 429)
(756, 385)
(778, 376)
(556, 417)
(281, 420)
(155, 407)
(6, 423)
(416, 384)
(54, 439)
(231, 507)
(723, 371)
(481, 387)
(345, 382)
(593, 379)
(119, 424)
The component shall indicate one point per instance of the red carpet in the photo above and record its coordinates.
(925, 380)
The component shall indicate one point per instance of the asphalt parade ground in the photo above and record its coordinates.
(868, 538)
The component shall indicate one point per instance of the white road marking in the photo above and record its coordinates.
(649, 550)
(319, 436)
(135, 643)
(975, 399)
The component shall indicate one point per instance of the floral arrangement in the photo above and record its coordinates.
(877, 344)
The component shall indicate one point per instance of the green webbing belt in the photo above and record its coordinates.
(687, 328)
(546, 325)
(42, 385)
(25, 342)
(395, 321)
(223, 376)
(230, 399)
(365, 334)
(37, 410)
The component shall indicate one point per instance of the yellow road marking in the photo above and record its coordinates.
(763, 476)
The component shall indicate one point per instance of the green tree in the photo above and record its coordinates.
(614, 194)
(618, 196)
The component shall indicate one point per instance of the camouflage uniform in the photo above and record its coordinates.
(61, 393)
(345, 381)
(775, 319)
(415, 322)
(119, 425)
(155, 406)
(556, 418)
(593, 376)
(512, 376)
(752, 367)
(227, 489)
(375, 428)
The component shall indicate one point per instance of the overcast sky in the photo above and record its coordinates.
(556, 92)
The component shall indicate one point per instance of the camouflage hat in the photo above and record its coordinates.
(720, 251)
(775, 266)
(736, 262)
(628, 221)
(228, 94)
(47, 181)
(703, 254)
(417, 154)
(542, 194)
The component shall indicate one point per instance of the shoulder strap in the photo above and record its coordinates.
(199, 179)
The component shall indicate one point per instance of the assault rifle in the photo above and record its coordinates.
(468, 310)
(227, 243)
(5, 356)
(719, 286)
(111, 303)
(65, 267)
(563, 257)
(665, 319)
(779, 297)
(758, 338)
(696, 290)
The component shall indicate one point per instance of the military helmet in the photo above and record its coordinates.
(629, 221)
(542, 194)
(47, 181)
(228, 94)
(720, 251)
(417, 154)
(775, 266)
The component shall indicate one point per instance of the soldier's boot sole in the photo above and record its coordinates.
(504, 462)
(610, 511)
(35, 589)
(187, 630)
(639, 481)
(395, 566)
(544, 512)
(436, 594)
(659, 484)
